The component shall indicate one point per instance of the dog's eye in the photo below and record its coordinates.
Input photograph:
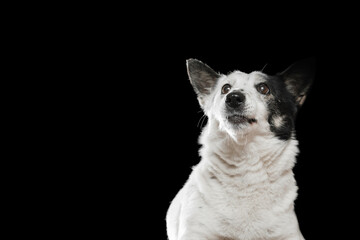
(225, 89)
(263, 89)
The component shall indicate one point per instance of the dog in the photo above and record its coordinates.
(244, 187)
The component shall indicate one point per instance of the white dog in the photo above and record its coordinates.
(244, 187)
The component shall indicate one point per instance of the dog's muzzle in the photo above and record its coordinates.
(235, 102)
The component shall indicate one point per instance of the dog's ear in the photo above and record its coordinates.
(299, 77)
(202, 78)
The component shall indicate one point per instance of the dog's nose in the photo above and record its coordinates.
(235, 99)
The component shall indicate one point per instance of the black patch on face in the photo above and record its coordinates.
(281, 104)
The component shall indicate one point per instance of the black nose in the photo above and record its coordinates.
(235, 99)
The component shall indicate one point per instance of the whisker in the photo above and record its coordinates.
(201, 121)
(264, 67)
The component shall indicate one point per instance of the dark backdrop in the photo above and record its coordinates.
(121, 136)
(150, 121)
(167, 120)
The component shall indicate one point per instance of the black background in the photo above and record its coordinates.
(167, 121)
(118, 121)
(150, 120)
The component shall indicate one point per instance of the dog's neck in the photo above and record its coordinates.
(237, 157)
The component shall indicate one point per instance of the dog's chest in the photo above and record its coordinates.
(236, 213)
(246, 192)
(240, 208)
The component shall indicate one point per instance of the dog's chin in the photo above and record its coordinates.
(240, 119)
(240, 122)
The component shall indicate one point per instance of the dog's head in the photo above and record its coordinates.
(244, 103)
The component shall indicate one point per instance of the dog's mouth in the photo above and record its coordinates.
(240, 119)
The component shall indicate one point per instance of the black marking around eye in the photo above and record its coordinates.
(282, 109)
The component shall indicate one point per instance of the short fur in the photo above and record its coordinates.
(243, 188)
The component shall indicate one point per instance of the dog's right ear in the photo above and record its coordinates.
(299, 77)
(202, 78)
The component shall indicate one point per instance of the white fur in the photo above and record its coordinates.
(243, 188)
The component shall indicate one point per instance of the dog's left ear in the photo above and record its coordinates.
(202, 78)
(299, 77)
